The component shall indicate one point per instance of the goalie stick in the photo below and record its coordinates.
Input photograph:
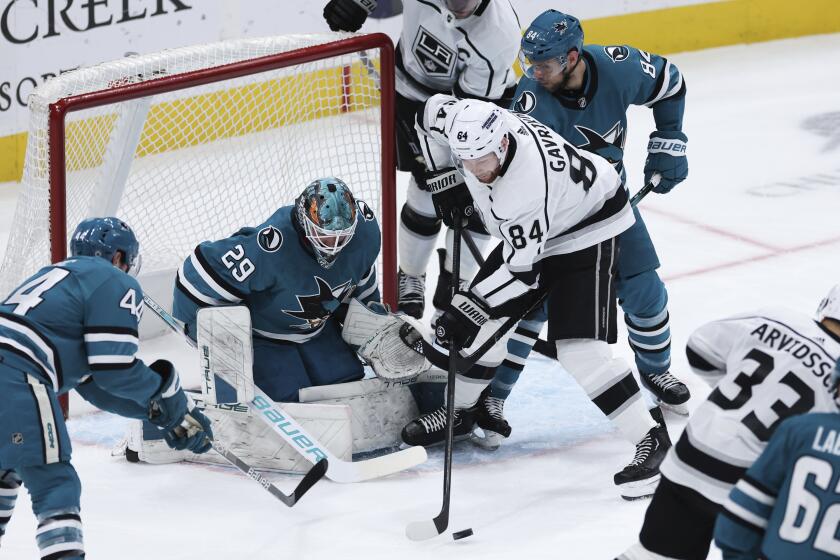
(272, 414)
(541, 346)
(314, 474)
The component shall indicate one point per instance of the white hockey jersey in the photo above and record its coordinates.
(768, 365)
(470, 57)
(549, 199)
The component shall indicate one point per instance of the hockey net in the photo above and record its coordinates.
(193, 143)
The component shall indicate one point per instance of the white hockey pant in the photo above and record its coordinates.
(610, 384)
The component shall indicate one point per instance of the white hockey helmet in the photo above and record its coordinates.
(829, 307)
(476, 128)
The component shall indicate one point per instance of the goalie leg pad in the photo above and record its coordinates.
(378, 409)
(252, 440)
(609, 383)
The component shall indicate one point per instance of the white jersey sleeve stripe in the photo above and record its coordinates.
(112, 337)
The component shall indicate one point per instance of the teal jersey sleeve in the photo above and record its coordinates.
(660, 86)
(111, 319)
(741, 525)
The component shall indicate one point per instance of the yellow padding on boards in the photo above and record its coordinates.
(715, 24)
(687, 28)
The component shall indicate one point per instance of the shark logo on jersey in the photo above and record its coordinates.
(618, 53)
(609, 146)
(526, 102)
(365, 210)
(17, 438)
(434, 56)
(317, 308)
(270, 239)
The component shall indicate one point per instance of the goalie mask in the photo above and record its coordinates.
(103, 237)
(326, 212)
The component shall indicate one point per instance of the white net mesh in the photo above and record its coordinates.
(200, 162)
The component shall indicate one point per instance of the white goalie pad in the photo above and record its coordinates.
(379, 410)
(232, 355)
(255, 441)
(362, 323)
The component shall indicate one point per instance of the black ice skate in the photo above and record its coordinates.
(411, 298)
(640, 477)
(668, 390)
(490, 418)
(430, 429)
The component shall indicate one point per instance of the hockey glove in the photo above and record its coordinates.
(193, 433)
(462, 320)
(348, 15)
(169, 405)
(666, 156)
(451, 197)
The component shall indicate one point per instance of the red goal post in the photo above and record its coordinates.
(196, 153)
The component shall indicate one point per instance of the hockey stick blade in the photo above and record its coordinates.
(312, 476)
(429, 529)
(294, 434)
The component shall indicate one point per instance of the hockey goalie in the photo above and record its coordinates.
(307, 275)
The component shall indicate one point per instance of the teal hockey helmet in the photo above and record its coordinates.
(550, 36)
(326, 211)
(103, 237)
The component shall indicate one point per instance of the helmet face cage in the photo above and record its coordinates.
(323, 207)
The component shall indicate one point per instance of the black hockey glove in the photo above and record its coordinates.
(462, 320)
(348, 15)
(450, 196)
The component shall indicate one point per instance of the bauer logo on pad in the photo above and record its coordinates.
(270, 239)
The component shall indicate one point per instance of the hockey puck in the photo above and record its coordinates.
(462, 534)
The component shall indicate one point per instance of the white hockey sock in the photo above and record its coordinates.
(467, 390)
(469, 266)
(418, 231)
(609, 383)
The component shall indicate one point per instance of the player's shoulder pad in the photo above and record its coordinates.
(432, 116)
(623, 66)
(367, 226)
(95, 274)
(272, 235)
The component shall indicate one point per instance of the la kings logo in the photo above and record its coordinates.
(437, 59)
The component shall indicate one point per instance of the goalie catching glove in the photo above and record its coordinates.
(462, 320)
(173, 411)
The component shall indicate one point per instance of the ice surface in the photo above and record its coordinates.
(755, 224)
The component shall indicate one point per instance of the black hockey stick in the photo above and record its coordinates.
(423, 530)
(312, 476)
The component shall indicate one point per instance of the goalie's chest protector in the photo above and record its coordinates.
(595, 121)
(301, 295)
